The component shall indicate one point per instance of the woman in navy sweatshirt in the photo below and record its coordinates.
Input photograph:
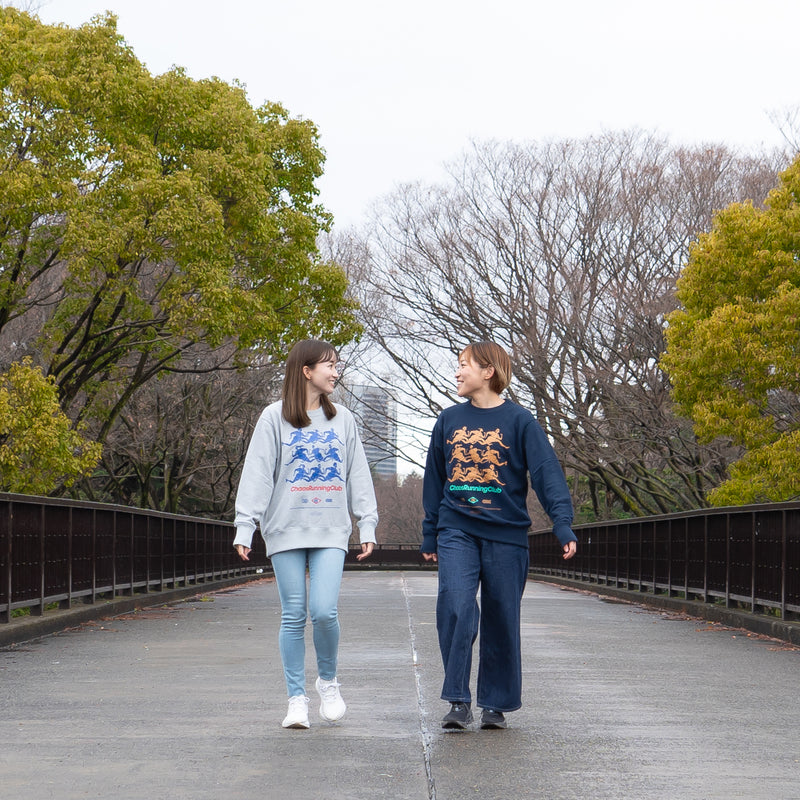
(476, 527)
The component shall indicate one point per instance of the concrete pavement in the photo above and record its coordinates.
(184, 702)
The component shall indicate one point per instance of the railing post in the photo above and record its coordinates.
(147, 555)
(654, 560)
(727, 561)
(114, 553)
(670, 592)
(70, 558)
(39, 608)
(5, 614)
(94, 556)
(203, 552)
(784, 565)
(686, 559)
(705, 559)
(132, 555)
(161, 580)
(174, 527)
(627, 556)
(753, 549)
(641, 553)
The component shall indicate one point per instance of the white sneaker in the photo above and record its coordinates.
(332, 707)
(297, 715)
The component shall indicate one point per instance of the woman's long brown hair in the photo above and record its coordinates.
(306, 353)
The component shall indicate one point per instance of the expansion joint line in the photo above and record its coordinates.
(423, 725)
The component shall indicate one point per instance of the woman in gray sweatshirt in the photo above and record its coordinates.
(304, 474)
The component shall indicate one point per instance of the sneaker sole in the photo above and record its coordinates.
(329, 719)
(456, 726)
(297, 726)
(493, 726)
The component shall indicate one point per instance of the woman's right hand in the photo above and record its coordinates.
(430, 556)
(244, 552)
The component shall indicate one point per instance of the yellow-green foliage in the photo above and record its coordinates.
(152, 212)
(767, 474)
(39, 448)
(733, 349)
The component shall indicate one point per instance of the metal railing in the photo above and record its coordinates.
(388, 556)
(55, 551)
(746, 557)
(59, 552)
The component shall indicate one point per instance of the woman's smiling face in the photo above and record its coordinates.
(323, 375)
(470, 377)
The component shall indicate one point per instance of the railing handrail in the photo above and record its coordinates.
(67, 502)
(791, 505)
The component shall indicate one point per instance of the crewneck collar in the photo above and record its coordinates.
(486, 410)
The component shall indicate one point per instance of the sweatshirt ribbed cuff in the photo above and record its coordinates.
(428, 543)
(244, 536)
(366, 534)
(564, 534)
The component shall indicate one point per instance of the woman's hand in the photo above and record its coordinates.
(430, 556)
(570, 548)
(244, 552)
(366, 550)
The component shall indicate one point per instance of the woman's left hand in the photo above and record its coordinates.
(366, 550)
(244, 552)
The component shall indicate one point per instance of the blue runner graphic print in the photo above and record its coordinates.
(316, 454)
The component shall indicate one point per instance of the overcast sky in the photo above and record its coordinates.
(399, 89)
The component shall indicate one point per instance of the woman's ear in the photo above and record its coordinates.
(488, 372)
(307, 373)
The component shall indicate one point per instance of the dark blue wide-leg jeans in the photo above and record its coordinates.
(467, 563)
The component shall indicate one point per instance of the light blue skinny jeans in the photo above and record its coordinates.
(320, 601)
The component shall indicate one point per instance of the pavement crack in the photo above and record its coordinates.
(423, 725)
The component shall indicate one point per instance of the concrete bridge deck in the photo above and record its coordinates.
(184, 702)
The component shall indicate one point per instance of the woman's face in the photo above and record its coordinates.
(470, 377)
(322, 376)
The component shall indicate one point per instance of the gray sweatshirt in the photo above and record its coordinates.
(299, 485)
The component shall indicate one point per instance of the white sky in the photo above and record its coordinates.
(399, 89)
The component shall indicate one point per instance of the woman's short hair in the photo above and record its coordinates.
(305, 353)
(490, 354)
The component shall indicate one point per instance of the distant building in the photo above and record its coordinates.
(376, 414)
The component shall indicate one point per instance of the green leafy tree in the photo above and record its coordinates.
(733, 349)
(144, 218)
(39, 449)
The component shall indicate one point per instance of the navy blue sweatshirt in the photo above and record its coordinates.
(476, 476)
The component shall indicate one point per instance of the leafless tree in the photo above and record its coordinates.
(787, 121)
(566, 253)
(180, 442)
(399, 509)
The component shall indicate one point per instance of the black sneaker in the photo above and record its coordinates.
(458, 717)
(492, 720)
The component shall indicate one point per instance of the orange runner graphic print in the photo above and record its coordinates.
(477, 455)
